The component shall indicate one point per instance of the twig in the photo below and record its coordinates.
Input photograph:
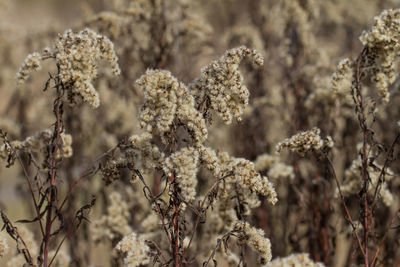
(360, 111)
(199, 215)
(221, 240)
(384, 237)
(153, 199)
(385, 165)
(349, 219)
(52, 174)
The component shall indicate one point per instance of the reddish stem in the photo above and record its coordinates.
(378, 250)
(175, 244)
(360, 110)
(51, 198)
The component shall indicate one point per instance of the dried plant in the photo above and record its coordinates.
(127, 141)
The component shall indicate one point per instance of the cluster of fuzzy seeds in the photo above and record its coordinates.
(37, 145)
(353, 175)
(136, 251)
(342, 74)
(305, 141)
(255, 238)
(299, 259)
(166, 100)
(239, 171)
(184, 164)
(115, 223)
(77, 56)
(140, 154)
(383, 42)
(222, 83)
(32, 63)
(246, 176)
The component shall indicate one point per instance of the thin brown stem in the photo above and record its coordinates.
(157, 205)
(349, 219)
(52, 193)
(199, 216)
(36, 205)
(175, 244)
(359, 102)
(383, 170)
(378, 250)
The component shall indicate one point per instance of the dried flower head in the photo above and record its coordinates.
(135, 249)
(265, 161)
(222, 83)
(37, 145)
(342, 74)
(255, 238)
(183, 164)
(239, 171)
(281, 170)
(77, 56)
(297, 259)
(32, 63)
(115, 223)
(383, 42)
(167, 99)
(305, 141)
(159, 108)
(247, 177)
(353, 175)
(140, 154)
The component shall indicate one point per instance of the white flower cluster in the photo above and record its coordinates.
(32, 63)
(342, 74)
(141, 154)
(246, 176)
(305, 141)
(245, 188)
(37, 144)
(281, 170)
(209, 158)
(151, 223)
(136, 250)
(77, 56)
(276, 169)
(3, 246)
(159, 108)
(265, 161)
(66, 140)
(167, 99)
(115, 224)
(222, 83)
(223, 217)
(383, 41)
(353, 177)
(242, 172)
(184, 164)
(294, 260)
(255, 238)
